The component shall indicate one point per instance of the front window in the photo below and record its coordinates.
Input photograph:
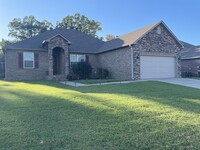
(74, 58)
(28, 60)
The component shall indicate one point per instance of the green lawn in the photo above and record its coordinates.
(95, 81)
(198, 78)
(142, 115)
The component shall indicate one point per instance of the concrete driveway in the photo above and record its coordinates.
(182, 81)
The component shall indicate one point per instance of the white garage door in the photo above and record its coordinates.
(157, 67)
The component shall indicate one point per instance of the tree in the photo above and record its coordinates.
(27, 27)
(81, 23)
(109, 37)
(3, 43)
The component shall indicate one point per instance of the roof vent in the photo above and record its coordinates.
(158, 30)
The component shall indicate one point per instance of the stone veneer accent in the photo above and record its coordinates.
(60, 42)
(155, 44)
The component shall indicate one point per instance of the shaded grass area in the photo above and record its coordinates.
(198, 78)
(95, 81)
(142, 115)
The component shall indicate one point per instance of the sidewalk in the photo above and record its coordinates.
(107, 83)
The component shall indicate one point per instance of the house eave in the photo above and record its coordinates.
(113, 49)
(24, 49)
(190, 58)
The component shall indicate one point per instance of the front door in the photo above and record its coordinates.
(55, 64)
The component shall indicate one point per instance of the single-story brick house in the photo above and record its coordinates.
(150, 52)
(190, 57)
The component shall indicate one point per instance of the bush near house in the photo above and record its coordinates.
(103, 73)
(82, 70)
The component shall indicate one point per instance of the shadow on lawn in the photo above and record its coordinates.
(85, 124)
(184, 98)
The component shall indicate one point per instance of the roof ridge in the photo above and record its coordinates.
(153, 25)
(122, 39)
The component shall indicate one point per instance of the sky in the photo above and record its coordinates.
(116, 16)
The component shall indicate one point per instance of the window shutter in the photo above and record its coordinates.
(87, 58)
(20, 60)
(36, 57)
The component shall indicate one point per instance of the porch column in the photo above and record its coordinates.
(66, 57)
(50, 58)
(60, 42)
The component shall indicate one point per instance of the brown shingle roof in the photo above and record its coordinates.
(83, 43)
(127, 39)
(132, 38)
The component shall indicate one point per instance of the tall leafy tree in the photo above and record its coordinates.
(81, 23)
(3, 43)
(27, 27)
(109, 37)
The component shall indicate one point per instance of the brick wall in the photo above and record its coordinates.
(118, 62)
(190, 65)
(13, 72)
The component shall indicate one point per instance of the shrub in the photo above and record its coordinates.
(82, 69)
(103, 73)
(71, 76)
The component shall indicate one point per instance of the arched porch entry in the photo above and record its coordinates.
(58, 56)
(58, 61)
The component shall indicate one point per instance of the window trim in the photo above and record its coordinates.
(28, 60)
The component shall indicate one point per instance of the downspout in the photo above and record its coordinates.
(5, 53)
(132, 71)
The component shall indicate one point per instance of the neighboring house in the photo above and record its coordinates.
(2, 66)
(150, 52)
(190, 59)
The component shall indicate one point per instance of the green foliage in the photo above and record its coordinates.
(103, 73)
(27, 27)
(43, 115)
(3, 43)
(82, 69)
(109, 37)
(81, 23)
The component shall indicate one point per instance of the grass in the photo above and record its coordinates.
(96, 81)
(142, 115)
(198, 78)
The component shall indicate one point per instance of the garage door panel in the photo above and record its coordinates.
(157, 67)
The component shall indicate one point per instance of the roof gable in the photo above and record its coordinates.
(133, 37)
(57, 36)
